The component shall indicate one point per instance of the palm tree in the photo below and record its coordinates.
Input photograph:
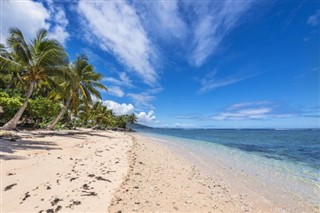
(132, 118)
(101, 115)
(81, 83)
(36, 60)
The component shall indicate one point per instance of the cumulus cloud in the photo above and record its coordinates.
(26, 15)
(60, 34)
(118, 30)
(126, 109)
(30, 16)
(59, 23)
(119, 109)
(144, 117)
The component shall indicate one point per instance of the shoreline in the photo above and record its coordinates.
(164, 178)
(160, 180)
(107, 171)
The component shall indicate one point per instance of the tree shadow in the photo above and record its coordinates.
(22, 141)
(9, 147)
(100, 135)
(11, 157)
(72, 134)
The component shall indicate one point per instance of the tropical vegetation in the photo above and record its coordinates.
(41, 88)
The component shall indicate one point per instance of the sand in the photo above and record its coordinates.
(71, 171)
(161, 181)
(105, 171)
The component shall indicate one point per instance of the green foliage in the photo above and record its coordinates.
(33, 63)
(42, 109)
(60, 86)
(99, 116)
(123, 120)
(10, 105)
(39, 110)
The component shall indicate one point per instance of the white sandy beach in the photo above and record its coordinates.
(161, 181)
(105, 171)
(72, 173)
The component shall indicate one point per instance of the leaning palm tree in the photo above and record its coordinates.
(81, 82)
(101, 115)
(36, 60)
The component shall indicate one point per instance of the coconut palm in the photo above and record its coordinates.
(81, 82)
(101, 115)
(36, 60)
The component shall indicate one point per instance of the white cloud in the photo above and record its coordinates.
(314, 20)
(119, 109)
(116, 91)
(248, 111)
(26, 15)
(60, 34)
(246, 104)
(30, 16)
(253, 110)
(118, 30)
(123, 80)
(164, 18)
(184, 125)
(142, 99)
(214, 25)
(146, 117)
(58, 30)
(126, 109)
(211, 82)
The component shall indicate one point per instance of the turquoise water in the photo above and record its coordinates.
(285, 161)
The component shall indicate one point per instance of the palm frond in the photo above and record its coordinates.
(17, 43)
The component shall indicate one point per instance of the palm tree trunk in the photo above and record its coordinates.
(14, 121)
(97, 125)
(63, 110)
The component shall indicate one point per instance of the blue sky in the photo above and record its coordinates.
(189, 64)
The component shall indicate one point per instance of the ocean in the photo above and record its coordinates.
(282, 162)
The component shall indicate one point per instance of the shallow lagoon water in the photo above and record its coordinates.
(282, 165)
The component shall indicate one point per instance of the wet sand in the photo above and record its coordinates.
(105, 171)
(159, 180)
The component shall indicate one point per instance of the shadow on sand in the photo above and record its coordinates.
(73, 134)
(9, 145)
